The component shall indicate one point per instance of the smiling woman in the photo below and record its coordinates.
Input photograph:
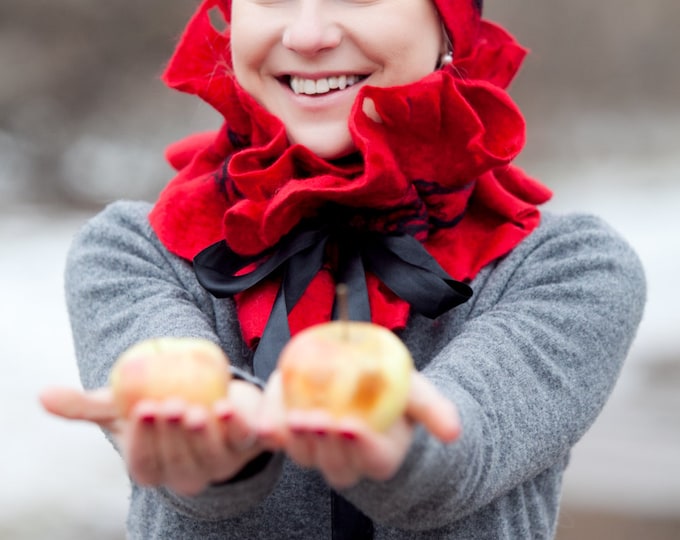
(366, 143)
(290, 55)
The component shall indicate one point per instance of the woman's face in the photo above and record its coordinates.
(305, 60)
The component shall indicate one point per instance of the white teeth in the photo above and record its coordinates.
(309, 87)
(297, 85)
(322, 86)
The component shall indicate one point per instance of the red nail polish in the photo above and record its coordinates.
(148, 419)
(349, 436)
(225, 416)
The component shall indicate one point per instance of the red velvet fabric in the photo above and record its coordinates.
(437, 166)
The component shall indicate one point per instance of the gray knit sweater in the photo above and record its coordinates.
(529, 361)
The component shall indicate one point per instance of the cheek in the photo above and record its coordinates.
(239, 51)
(405, 56)
(409, 61)
(250, 45)
(247, 65)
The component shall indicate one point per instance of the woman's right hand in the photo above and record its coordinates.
(173, 444)
(345, 450)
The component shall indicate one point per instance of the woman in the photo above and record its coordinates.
(352, 122)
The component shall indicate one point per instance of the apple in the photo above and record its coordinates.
(347, 368)
(194, 370)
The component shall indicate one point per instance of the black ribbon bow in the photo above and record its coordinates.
(398, 260)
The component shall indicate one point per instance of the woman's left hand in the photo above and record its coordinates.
(347, 450)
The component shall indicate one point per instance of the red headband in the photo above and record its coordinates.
(461, 19)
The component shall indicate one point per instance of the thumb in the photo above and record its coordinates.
(272, 423)
(95, 406)
(368, 108)
(429, 407)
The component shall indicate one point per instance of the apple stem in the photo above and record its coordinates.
(342, 292)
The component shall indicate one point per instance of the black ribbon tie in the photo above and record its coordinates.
(398, 260)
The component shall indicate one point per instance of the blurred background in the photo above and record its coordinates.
(84, 120)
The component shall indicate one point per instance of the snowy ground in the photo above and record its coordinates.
(56, 476)
(61, 480)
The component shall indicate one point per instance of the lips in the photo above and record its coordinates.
(324, 85)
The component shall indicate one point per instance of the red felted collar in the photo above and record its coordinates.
(436, 166)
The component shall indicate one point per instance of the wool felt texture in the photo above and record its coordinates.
(437, 166)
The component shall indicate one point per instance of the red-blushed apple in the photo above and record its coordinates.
(191, 369)
(347, 368)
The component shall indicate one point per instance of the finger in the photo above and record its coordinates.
(335, 459)
(429, 407)
(271, 424)
(182, 471)
(223, 412)
(237, 435)
(140, 445)
(368, 108)
(94, 406)
(300, 447)
(205, 439)
(305, 430)
(245, 400)
(376, 455)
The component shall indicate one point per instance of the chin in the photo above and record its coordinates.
(334, 153)
(327, 144)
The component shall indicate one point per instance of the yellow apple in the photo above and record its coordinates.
(194, 370)
(347, 368)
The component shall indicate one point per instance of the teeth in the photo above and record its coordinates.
(309, 87)
(322, 86)
(312, 87)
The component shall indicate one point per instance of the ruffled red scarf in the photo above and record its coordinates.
(436, 166)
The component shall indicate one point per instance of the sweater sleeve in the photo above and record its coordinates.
(122, 287)
(529, 368)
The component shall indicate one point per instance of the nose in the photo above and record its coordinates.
(310, 30)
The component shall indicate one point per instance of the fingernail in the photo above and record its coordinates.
(195, 423)
(320, 433)
(174, 420)
(148, 419)
(225, 416)
(197, 428)
(348, 436)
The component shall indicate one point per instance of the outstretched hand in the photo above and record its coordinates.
(187, 447)
(173, 444)
(347, 450)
